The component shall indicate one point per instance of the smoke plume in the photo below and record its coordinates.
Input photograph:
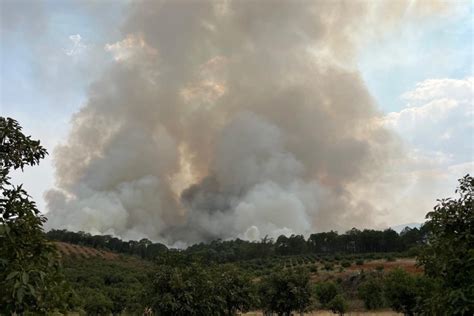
(228, 119)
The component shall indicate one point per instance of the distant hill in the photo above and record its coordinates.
(399, 228)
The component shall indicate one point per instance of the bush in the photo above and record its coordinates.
(97, 304)
(371, 292)
(360, 262)
(413, 252)
(390, 259)
(379, 267)
(346, 264)
(328, 266)
(338, 305)
(285, 291)
(326, 292)
(195, 290)
(401, 291)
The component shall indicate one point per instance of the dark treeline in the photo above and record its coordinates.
(353, 241)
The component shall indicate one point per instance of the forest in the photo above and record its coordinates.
(353, 241)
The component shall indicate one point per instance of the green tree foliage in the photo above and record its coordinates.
(326, 292)
(285, 291)
(218, 251)
(236, 289)
(295, 244)
(401, 291)
(196, 290)
(182, 291)
(371, 292)
(120, 281)
(30, 277)
(448, 257)
(338, 305)
(96, 303)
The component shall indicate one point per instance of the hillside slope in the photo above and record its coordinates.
(67, 249)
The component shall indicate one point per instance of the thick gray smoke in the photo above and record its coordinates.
(228, 119)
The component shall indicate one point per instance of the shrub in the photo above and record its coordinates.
(360, 262)
(371, 292)
(325, 292)
(285, 291)
(401, 291)
(328, 266)
(413, 251)
(346, 264)
(338, 305)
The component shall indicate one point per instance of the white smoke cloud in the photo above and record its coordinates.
(226, 119)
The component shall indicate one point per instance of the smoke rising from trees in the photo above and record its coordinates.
(229, 119)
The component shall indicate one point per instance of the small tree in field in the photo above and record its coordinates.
(184, 291)
(199, 290)
(338, 305)
(326, 292)
(448, 258)
(30, 279)
(371, 292)
(286, 291)
(401, 291)
(235, 288)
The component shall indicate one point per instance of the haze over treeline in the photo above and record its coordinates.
(230, 119)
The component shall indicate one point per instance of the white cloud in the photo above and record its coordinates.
(431, 89)
(438, 118)
(438, 129)
(77, 45)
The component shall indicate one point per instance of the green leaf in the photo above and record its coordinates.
(25, 277)
(32, 290)
(12, 275)
(20, 294)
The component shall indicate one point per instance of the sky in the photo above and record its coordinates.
(419, 74)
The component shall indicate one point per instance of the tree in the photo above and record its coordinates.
(401, 291)
(97, 303)
(338, 304)
(235, 288)
(326, 292)
(285, 291)
(448, 257)
(371, 292)
(30, 277)
(189, 290)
